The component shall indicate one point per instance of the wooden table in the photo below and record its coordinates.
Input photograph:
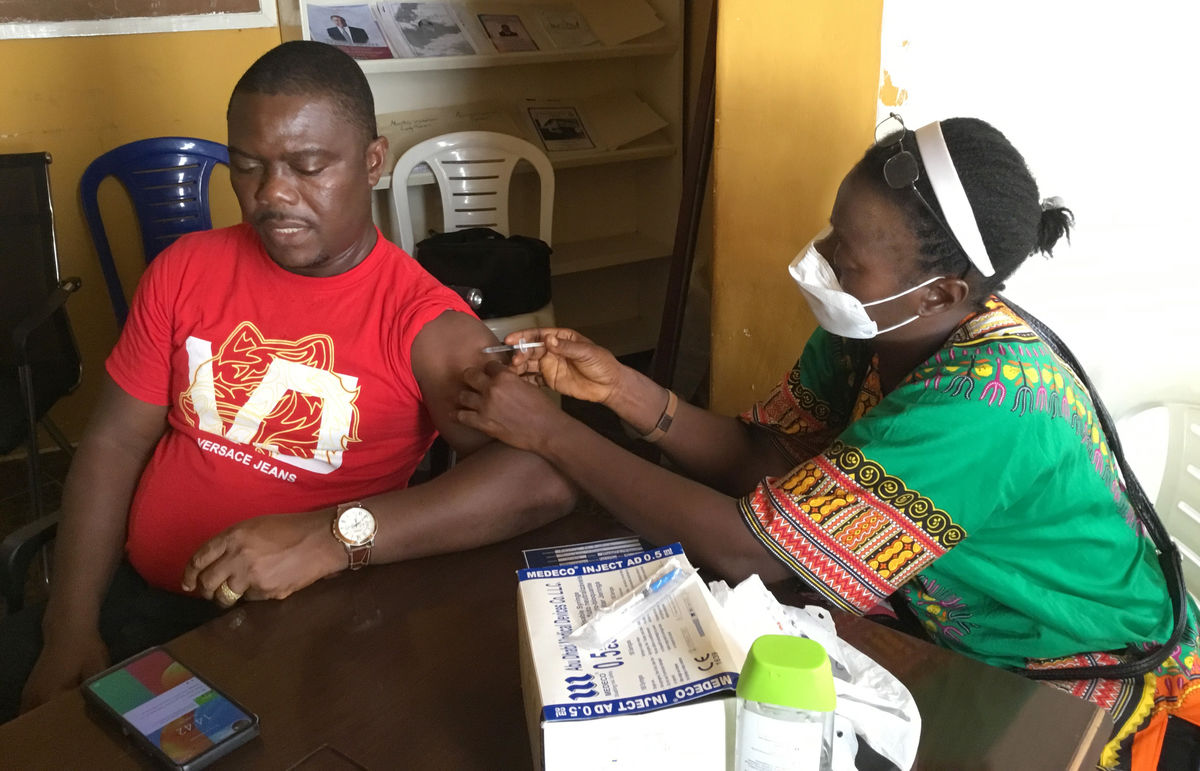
(414, 665)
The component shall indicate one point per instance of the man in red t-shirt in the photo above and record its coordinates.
(297, 365)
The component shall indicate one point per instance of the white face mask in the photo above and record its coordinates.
(838, 311)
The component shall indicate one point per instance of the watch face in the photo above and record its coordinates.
(356, 525)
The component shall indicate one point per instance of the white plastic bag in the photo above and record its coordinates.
(872, 704)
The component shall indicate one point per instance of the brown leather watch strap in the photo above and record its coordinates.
(359, 556)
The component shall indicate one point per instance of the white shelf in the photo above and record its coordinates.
(517, 58)
(611, 287)
(594, 253)
(653, 146)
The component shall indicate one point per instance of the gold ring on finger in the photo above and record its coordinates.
(226, 596)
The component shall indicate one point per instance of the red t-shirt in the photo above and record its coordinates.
(285, 393)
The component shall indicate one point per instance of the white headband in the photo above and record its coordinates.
(943, 178)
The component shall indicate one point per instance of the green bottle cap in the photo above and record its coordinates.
(788, 671)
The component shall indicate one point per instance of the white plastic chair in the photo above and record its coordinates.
(473, 170)
(1162, 443)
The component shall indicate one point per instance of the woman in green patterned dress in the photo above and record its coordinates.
(929, 447)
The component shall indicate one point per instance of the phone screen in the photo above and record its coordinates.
(175, 710)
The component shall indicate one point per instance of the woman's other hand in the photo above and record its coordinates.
(498, 403)
(569, 363)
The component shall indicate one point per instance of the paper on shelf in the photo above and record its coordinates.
(406, 128)
(617, 21)
(619, 117)
(425, 29)
(566, 26)
(605, 121)
(359, 33)
(507, 32)
(559, 124)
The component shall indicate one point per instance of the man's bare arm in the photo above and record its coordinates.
(517, 489)
(492, 493)
(119, 440)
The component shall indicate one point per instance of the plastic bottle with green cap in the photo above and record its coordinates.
(785, 706)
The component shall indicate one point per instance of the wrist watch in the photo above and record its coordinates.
(354, 526)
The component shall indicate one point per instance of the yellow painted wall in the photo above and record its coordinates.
(796, 91)
(79, 97)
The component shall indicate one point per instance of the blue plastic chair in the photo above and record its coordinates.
(167, 178)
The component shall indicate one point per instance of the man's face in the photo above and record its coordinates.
(338, 20)
(303, 176)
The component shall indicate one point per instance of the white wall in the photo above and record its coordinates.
(1100, 99)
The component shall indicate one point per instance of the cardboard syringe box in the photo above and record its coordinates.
(660, 696)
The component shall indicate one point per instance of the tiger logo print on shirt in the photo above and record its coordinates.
(281, 397)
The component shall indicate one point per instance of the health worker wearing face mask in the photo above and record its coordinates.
(935, 448)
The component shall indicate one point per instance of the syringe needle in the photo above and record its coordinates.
(521, 346)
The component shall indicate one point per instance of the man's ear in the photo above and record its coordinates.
(377, 152)
(942, 295)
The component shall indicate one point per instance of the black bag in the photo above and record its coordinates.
(513, 273)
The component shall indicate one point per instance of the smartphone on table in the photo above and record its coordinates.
(170, 712)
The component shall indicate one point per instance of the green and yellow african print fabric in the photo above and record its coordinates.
(982, 488)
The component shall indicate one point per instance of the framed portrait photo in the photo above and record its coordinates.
(507, 32)
(560, 128)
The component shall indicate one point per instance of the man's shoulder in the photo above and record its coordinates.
(388, 244)
(410, 292)
(402, 263)
(203, 252)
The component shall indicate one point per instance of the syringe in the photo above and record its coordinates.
(520, 346)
